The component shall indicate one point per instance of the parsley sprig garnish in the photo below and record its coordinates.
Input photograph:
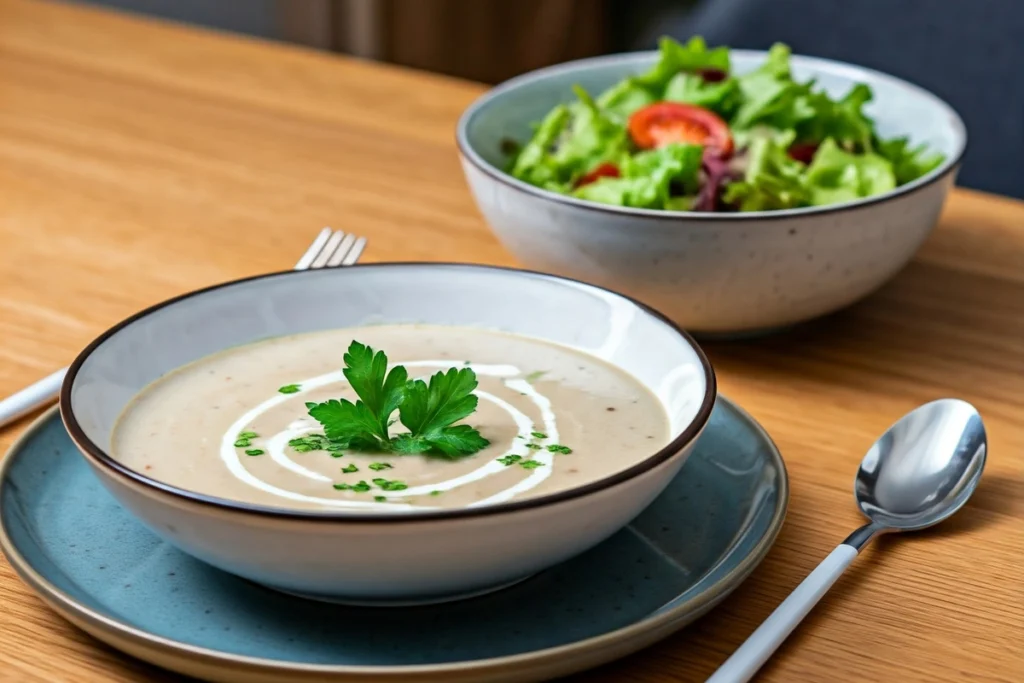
(428, 410)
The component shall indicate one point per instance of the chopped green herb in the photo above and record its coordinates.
(520, 436)
(290, 389)
(558, 448)
(349, 469)
(534, 376)
(435, 493)
(467, 362)
(533, 446)
(430, 411)
(386, 485)
(510, 459)
(531, 464)
(314, 442)
(248, 435)
(378, 466)
(310, 405)
(255, 451)
(538, 435)
(243, 443)
(381, 499)
(361, 487)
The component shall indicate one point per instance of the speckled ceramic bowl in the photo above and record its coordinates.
(396, 557)
(712, 273)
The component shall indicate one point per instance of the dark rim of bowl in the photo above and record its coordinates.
(466, 151)
(100, 457)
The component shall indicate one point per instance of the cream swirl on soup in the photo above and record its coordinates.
(236, 424)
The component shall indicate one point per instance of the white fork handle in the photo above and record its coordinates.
(30, 398)
(745, 662)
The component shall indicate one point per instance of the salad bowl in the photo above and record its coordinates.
(393, 556)
(715, 273)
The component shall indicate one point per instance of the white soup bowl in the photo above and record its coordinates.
(400, 556)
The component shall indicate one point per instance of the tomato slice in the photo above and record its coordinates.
(605, 170)
(663, 123)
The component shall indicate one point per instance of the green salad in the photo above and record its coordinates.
(691, 135)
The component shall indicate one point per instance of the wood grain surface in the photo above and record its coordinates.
(140, 160)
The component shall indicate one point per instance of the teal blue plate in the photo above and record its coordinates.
(92, 562)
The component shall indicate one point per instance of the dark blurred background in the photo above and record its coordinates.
(970, 53)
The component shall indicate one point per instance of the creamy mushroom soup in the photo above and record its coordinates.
(240, 424)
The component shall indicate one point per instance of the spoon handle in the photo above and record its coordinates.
(745, 662)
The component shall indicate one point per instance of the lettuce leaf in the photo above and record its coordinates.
(681, 203)
(649, 179)
(678, 163)
(771, 96)
(775, 181)
(569, 141)
(722, 97)
(591, 138)
(772, 179)
(622, 99)
(693, 56)
(908, 163)
(533, 163)
(777, 61)
(837, 176)
(842, 120)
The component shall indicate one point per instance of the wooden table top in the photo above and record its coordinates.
(140, 160)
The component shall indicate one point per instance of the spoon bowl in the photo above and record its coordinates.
(924, 468)
(921, 471)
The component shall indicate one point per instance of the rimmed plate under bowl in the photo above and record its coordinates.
(389, 555)
(96, 565)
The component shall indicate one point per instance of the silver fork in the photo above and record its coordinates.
(330, 249)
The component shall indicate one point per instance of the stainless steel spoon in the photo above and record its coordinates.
(921, 471)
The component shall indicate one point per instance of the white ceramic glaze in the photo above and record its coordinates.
(397, 556)
(712, 273)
